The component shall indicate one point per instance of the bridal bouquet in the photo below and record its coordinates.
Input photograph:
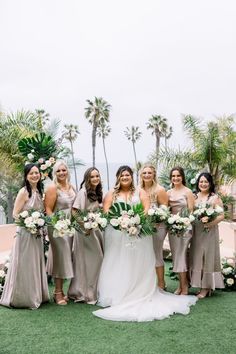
(178, 224)
(61, 223)
(205, 212)
(33, 221)
(159, 214)
(89, 220)
(229, 274)
(130, 219)
(3, 272)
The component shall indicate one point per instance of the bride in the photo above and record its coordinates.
(127, 281)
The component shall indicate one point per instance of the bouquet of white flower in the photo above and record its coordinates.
(89, 220)
(61, 223)
(159, 214)
(205, 212)
(3, 272)
(229, 273)
(177, 224)
(130, 219)
(33, 221)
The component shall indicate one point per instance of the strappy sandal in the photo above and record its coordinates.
(60, 301)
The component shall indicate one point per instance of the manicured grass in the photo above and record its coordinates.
(209, 328)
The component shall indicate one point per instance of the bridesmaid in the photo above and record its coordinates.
(88, 246)
(180, 198)
(60, 195)
(26, 282)
(157, 196)
(205, 267)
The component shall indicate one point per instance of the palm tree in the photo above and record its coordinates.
(157, 124)
(97, 112)
(103, 131)
(71, 134)
(133, 134)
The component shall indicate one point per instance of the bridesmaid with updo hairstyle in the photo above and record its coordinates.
(205, 267)
(60, 195)
(88, 245)
(26, 281)
(157, 196)
(180, 199)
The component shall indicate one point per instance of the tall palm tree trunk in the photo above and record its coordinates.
(74, 167)
(105, 155)
(157, 148)
(136, 162)
(94, 132)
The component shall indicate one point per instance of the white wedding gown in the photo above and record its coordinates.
(128, 283)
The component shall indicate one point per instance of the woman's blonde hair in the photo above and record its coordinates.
(152, 190)
(54, 173)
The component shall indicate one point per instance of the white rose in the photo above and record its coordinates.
(103, 222)
(124, 223)
(48, 163)
(94, 225)
(218, 209)
(24, 214)
(30, 156)
(87, 225)
(171, 220)
(210, 211)
(130, 212)
(28, 220)
(191, 218)
(41, 160)
(193, 181)
(35, 215)
(40, 222)
(230, 281)
(43, 167)
(2, 273)
(151, 212)
(114, 222)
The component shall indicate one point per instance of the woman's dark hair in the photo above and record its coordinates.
(93, 195)
(26, 183)
(181, 172)
(209, 178)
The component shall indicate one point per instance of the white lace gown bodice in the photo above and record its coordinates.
(127, 281)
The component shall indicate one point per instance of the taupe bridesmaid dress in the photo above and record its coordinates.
(59, 263)
(179, 244)
(158, 241)
(87, 257)
(26, 282)
(205, 267)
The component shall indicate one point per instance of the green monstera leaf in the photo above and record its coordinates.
(40, 146)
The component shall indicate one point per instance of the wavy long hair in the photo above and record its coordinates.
(152, 189)
(181, 172)
(119, 172)
(26, 183)
(92, 194)
(209, 178)
(54, 173)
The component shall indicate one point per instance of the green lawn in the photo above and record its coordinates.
(210, 328)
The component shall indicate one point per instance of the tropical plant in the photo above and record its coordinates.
(167, 133)
(157, 124)
(71, 134)
(134, 134)
(103, 132)
(97, 112)
(214, 146)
